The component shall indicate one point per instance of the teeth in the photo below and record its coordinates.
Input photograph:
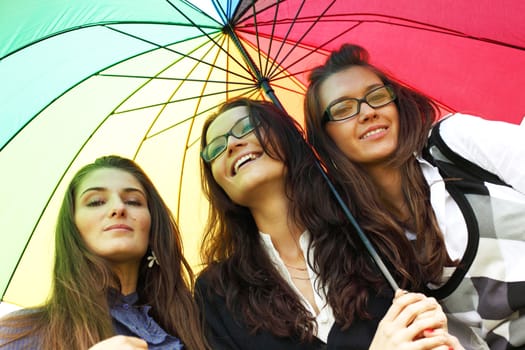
(373, 132)
(242, 160)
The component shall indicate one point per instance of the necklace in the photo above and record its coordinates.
(299, 278)
(295, 268)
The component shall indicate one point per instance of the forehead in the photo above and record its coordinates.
(109, 178)
(224, 122)
(355, 81)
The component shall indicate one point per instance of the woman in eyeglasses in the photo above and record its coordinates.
(272, 231)
(455, 232)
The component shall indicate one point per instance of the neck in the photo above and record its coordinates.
(128, 277)
(272, 217)
(389, 184)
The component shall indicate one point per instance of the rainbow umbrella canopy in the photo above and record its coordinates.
(85, 78)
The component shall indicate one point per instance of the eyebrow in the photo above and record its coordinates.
(367, 90)
(102, 189)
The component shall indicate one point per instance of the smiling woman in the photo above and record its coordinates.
(120, 279)
(446, 209)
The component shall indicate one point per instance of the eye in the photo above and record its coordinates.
(95, 203)
(343, 108)
(134, 202)
(379, 96)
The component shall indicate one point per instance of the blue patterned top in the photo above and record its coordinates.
(132, 320)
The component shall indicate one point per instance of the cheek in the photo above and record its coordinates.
(341, 134)
(146, 222)
(84, 224)
(218, 171)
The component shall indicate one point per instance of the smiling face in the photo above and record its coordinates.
(112, 216)
(371, 137)
(244, 171)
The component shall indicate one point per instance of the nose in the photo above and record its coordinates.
(234, 143)
(366, 112)
(118, 209)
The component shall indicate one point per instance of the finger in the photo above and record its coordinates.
(454, 343)
(438, 342)
(428, 328)
(399, 303)
(410, 312)
(437, 312)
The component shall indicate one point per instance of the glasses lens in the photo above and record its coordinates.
(344, 109)
(380, 97)
(243, 127)
(214, 148)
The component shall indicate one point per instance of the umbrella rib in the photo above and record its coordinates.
(208, 36)
(185, 54)
(257, 37)
(171, 78)
(182, 100)
(192, 122)
(196, 8)
(284, 39)
(248, 92)
(100, 24)
(179, 100)
(297, 42)
(311, 52)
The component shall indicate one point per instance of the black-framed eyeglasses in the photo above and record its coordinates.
(215, 147)
(350, 107)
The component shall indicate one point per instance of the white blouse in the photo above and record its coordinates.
(325, 318)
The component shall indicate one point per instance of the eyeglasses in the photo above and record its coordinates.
(349, 107)
(215, 147)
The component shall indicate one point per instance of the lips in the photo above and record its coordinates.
(118, 227)
(373, 131)
(242, 160)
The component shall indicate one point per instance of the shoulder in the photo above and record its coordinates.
(208, 284)
(461, 128)
(20, 330)
(26, 343)
(495, 146)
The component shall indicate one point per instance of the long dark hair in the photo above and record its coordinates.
(77, 315)
(416, 263)
(236, 263)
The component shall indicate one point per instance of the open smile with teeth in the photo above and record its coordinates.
(243, 160)
(373, 132)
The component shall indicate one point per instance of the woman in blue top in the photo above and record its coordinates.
(120, 279)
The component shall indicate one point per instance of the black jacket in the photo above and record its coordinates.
(226, 332)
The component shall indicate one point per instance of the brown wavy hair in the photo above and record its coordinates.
(77, 314)
(236, 264)
(416, 263)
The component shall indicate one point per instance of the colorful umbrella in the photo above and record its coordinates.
(84, 78)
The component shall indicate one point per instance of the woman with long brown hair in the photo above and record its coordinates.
(120, 279)
(446, 210)
(266, 250)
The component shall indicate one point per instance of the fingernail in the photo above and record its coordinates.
(430, 330)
